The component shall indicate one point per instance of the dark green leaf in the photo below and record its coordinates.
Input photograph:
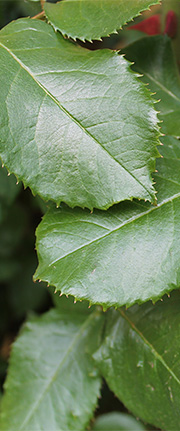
(85, 131)
(52, 382)
(93, 19)
(125, 255)
(140, 360)
(154, 58)
(117, 422)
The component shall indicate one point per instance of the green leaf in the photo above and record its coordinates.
(93, 19)
(85, 132)
(52, 383)
(140, 360)
(125, 255)
(154, 58)
(116, 421)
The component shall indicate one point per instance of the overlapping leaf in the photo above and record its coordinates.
(76, 126)
(140, 360)
(93, 19)
(125, 255)
(52, 382)
(154, 58)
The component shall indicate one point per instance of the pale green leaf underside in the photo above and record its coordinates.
(85, 131)
(116, 421)
(154, 58)
(140, 360)
(93, 19)
(125, 255)
(52, 383)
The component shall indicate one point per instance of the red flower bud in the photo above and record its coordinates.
(171, 24)
(150, 26)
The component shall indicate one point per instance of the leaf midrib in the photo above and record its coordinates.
(131, 220)
(153, 350)
(68, 352)
(73, 118)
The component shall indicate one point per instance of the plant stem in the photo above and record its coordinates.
(42, 4)
(40, 15)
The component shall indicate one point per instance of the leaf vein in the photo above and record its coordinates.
(127, 222)
(153, 350)
(66, 112)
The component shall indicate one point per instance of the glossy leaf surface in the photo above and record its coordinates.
(85, 131)
(52, 382)
(125, 255)
(140, 360)
(116, 421)
(154, 58)
(93, 19)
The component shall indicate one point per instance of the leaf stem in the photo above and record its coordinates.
(40, 15)
(42, 3)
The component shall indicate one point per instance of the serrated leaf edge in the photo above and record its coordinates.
(151, 194)
(116, 305)
(23, 329)
(114, 31)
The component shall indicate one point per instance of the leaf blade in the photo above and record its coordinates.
(124, 251)
(51, 371)
(151, 333)
(93, 19)
(161, 72)
(65, 142)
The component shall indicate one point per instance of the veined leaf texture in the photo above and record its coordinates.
(125, 255)
(85, 131)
